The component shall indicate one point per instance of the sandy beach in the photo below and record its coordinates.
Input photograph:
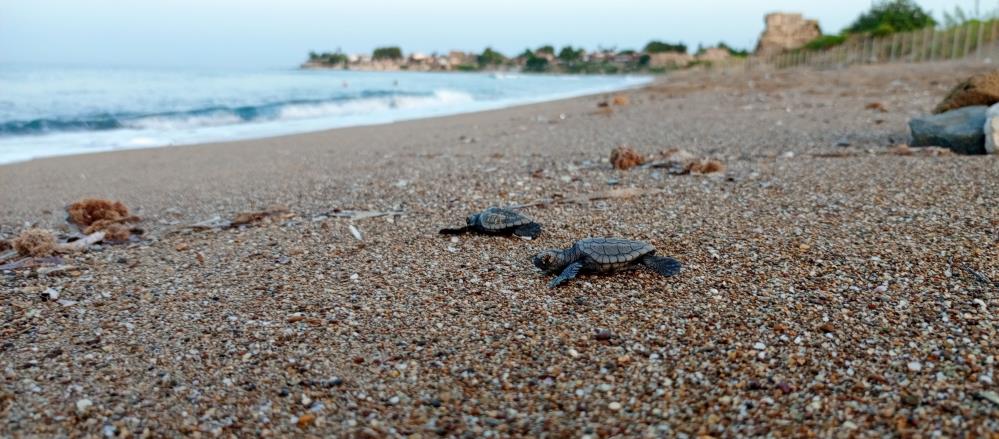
(827, 289)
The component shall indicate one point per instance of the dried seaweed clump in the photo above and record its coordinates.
(5, 245)
(620, 100)
(94, 215)
(705, 166)
(35, 242)
(625, 158)
(876, 106)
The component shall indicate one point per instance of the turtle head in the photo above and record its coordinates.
(472, 219)
(550, 261)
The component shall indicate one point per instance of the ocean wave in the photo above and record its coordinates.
(365, 102)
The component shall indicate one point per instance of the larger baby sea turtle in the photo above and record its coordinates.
(498, 221)
(603, 255)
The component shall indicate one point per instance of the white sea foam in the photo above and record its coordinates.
(147, 108)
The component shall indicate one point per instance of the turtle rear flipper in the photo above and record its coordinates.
(568, 273)
(662, 265)
(455, 231)
(531, 230)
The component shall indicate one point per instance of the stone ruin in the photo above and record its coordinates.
(786, 32)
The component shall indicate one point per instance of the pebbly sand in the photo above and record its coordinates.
(827, 290)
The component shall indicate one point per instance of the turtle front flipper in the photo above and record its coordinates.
(455, 231)
(662, 265)
(531, 230)
(568, 273)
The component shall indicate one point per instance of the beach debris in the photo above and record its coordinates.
(356, 232)
(928, 151)
(624, 158)
(357, 215)
(705, 166)
(498, 221)
(989, 396)
(960, 130)
(979, 276)
(36, 242)
(242, 219)
(274, 211)
(980, 89)
(680, 162)
(603, 255)
(96, 215)
(620, 100)
(32, 262)
(306, 420)
(82, 243)
(55, 269)
(876, 106)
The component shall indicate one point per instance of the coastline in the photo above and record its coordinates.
(97, 170)
(299, 103)
(822, 293)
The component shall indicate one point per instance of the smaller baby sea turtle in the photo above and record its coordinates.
(603, 255)
(498, 221)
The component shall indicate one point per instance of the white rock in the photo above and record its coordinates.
(83, 406)
(992, 130)
(915, 366)
(614, 406)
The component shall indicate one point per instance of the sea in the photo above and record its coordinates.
(49, 111)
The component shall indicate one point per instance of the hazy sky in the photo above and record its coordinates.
(281, 32)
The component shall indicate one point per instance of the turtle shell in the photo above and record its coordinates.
(495, 219)
(612, 253)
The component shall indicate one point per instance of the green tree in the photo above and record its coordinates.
(661, 47)
(568, 54)
(825, 42)
(490, 57)
(738, 53)
(548, 49)
(535, 64)
(387, 53)
(890, 16)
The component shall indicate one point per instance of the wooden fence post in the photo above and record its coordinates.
(894, 44)
(933, 45)
(957, 42)
(929, 35)
(969, 37)
(978, 45)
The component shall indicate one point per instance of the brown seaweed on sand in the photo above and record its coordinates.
(95, 214)
(36, 242)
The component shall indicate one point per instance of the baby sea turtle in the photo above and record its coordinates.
(498, 221)
(603, 255)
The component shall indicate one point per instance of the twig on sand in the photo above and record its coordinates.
(979, 276)
(32, 262)
(82, 243)
(358, 215)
